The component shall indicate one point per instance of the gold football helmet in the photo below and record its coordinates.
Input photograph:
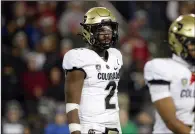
(181, 34)
(94, 19)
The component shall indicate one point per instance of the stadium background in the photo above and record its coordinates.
(36, 35)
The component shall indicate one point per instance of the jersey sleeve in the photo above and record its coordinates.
(73, 60)
(158, 92)
(158, 79)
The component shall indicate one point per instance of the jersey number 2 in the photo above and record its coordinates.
(111, 85)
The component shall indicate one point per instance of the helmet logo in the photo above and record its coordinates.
(180, 26)
(85, 18)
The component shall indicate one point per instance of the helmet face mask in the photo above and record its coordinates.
(100, 28)
(104, 36)
(190, 46)
(182, 37)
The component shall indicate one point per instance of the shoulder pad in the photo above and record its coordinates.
(117, 53)
(73, 58)
(157, 69)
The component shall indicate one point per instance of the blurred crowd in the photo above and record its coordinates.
(35, 37)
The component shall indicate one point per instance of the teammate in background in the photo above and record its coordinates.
(92, 76)
(172, 81)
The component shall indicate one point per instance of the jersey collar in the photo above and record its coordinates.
(181, 61)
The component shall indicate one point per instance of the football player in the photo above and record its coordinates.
(92, 76)
(171, 81)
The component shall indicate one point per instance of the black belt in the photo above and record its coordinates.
(111, 130)
(107, 131)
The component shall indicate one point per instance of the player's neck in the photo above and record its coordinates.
(100, 53)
